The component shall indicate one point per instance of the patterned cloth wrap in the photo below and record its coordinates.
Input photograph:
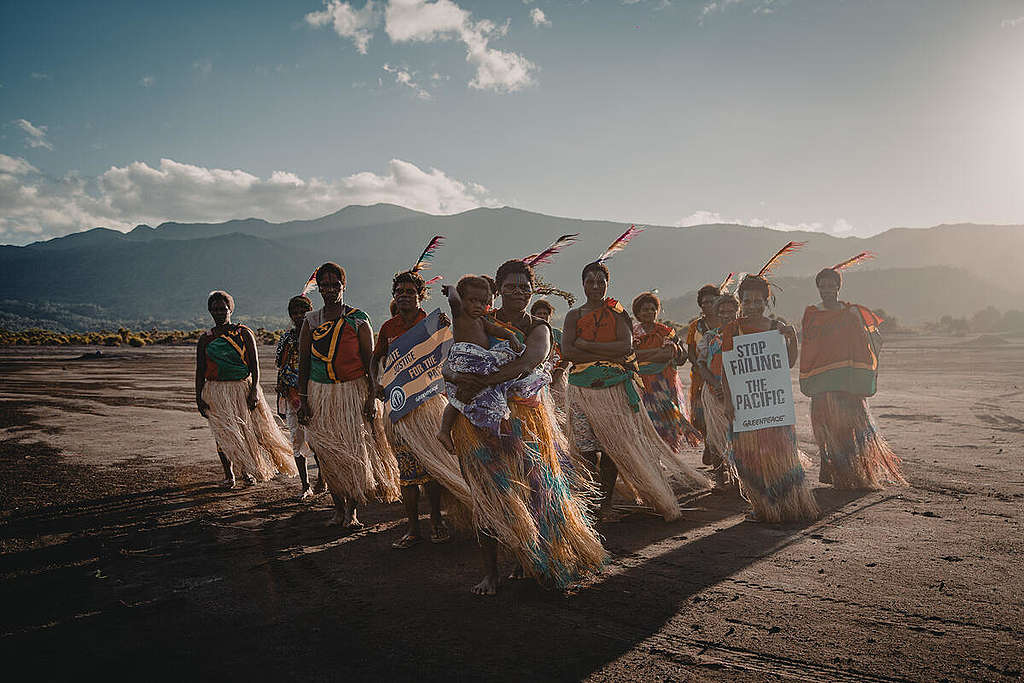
(489, 408)
(287, 361)
(695, 332)
(664, 396)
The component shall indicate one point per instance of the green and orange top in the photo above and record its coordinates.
(226, 355)
(334, 355)
(840, 350)
(599, 325)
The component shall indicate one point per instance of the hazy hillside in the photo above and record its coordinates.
(909, 294)
(162, 275)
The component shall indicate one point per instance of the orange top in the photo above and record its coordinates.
(598, 325)
(396, 327)
(654, 339)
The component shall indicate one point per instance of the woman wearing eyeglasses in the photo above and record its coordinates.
(524, 495)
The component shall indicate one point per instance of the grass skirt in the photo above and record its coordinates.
(353, 455)
(559, 402)
(852, 449)
(250, 439)
(645, 462)
(716, 422)
(418, 432)
(524, 500)
(771, 476)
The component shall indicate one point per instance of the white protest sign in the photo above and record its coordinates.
(760, 387)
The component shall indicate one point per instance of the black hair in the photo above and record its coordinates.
(542, 303)
(645, 298)
(706, 290)
(754, 283)
(828, 272)
(329, 267)
(491, 283)
(410, 276)
(300, 300)
(222, 295)
(472, 281)
(599, 267)
(510, 268)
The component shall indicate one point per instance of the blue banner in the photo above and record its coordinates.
(412, 368)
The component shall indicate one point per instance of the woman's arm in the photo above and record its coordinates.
(616, 350)
(789, 332)
(662, 354)
(201, 374)
(571, 350)
(305, 349)
(366, 356)
(538, 347)
(253, 363)
(379, 351)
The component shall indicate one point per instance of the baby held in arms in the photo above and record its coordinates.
(470, 300)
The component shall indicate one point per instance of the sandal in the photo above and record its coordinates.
(440, 534)
(406, 542)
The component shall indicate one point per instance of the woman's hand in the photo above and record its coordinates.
(305, 413)
(253, 398)
(202, 405)
(788, 331)
(370, 408)
(516, 345)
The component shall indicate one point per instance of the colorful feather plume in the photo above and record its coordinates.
(859, 258)
(434, 279)
(774, 261)
(423, 262)
(545, 256)
(736, 289)
(310, 283)
(726, 282)
(620, 243)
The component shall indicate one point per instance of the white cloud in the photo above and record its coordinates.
(427, 21)
(1012, 23)
(38, 76)
(147, 81)
(122, 197)
(348, 22)
(840, 227)
(538, 17)
(35, 136)
(204, 67)
(405, 77)
(756, 7)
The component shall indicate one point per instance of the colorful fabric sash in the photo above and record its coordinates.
(839, 351)
(335, 349)
(225, 355)
(654, 339)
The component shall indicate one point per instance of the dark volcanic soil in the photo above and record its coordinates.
(120, 558)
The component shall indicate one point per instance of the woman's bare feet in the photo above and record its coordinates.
(320, 486)
(489, 586)
(517, 574)
(228, 483)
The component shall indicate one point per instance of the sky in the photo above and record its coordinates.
(843, 116)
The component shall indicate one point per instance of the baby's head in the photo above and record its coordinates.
(476, 295)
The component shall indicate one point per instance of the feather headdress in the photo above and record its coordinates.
(436, 278)
(726, 282)
(859, 258)
(310, 283)
(546, 289)
(619, 244)
(534, 260)
(774, 261)
(423, 262)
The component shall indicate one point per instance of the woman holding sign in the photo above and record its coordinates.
(766, 459)
(523, 495)
(838, 370)
(338, 400)
(421, 459)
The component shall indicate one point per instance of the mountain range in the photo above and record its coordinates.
(159, 277)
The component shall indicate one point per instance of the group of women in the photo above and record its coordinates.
(614, 405)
